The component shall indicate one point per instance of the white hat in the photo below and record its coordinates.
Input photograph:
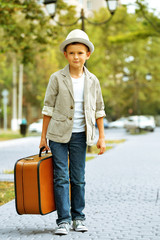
(77, 35)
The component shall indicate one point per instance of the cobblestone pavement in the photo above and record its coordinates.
(122, 198)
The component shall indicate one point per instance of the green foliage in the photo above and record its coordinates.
(23, 25)
(129, 45)
(123, 37)
(28, 35)
(132, 36)
(39, 72)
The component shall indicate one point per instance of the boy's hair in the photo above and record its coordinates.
(74, 43)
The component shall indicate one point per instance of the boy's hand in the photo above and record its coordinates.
(101, 145)
(43, 143)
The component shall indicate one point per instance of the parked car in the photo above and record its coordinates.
(140, 123)
(36, 126)
(119, 123)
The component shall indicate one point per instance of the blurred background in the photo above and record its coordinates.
(125, 60)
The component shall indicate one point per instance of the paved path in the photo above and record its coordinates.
(122, 198)
(12, 150)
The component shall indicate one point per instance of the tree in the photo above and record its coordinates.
(29, 36)
(118, 54)
(126, 46)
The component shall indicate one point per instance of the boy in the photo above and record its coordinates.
(73, 102)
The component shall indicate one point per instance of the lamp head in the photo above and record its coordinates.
(51, 6)
(112, 5)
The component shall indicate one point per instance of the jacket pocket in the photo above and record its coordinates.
(58, 117)
(57, 124)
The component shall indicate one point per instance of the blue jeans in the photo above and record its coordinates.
(73, 175)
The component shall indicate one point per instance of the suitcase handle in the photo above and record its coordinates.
(41, 150)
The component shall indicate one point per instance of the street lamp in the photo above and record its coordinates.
(5, 101)
(112, 5)
(51, 8)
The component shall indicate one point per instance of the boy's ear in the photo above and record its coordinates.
(65, 54)
(88, 55)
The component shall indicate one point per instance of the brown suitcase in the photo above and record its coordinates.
(34, 187)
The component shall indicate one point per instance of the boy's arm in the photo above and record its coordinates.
(43, 142)
(101, 141)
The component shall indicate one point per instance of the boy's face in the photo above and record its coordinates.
(77, 54)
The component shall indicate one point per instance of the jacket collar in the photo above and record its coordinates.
(68, 81)
(65, 72)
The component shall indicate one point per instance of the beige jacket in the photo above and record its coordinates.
(59, 104)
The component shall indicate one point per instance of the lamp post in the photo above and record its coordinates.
(5, 102)
(14, 121)
(20, 93)
(51, 8)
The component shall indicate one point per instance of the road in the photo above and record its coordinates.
(12, 150)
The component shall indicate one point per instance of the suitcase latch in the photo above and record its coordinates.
(29, 158)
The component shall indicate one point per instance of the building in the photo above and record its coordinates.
(88, 5)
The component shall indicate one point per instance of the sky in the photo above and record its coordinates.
(151, 4)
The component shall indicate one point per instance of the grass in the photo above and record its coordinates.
(89, 158)
(6, 192)
(9, 135)
(95, 150)
(115, 141)
(8, 172)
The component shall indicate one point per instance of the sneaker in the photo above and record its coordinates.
(62, 229)
(79, 226)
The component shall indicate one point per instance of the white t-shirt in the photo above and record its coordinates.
(79, 118)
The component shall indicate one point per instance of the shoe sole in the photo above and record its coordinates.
(80, 230)
(60, 233)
